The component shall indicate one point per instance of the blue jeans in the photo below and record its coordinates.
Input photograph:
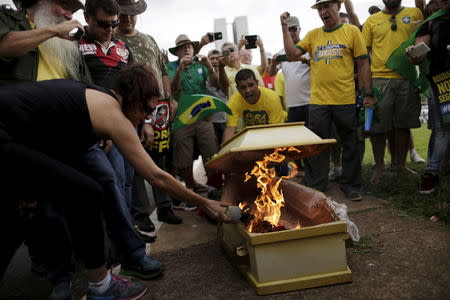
(124, 171)
(119, 221)
(439, 140)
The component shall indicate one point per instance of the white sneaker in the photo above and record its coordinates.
(415, 157)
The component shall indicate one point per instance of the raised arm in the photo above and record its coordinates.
(262, 53)
(420, 4)
(18, 43)
(223, 78)
(354, 20)
(213, 78)
(203, 42)
(289, 47)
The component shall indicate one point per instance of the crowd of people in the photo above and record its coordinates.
(86, 119)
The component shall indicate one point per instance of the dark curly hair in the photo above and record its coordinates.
(136, 84)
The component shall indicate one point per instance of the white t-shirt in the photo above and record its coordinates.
(297, 83)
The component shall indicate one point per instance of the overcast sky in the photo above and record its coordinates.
(165, 19)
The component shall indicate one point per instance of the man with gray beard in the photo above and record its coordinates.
(35, 43)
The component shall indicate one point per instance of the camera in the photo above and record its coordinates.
(215, 36)
(251, 39)
(76, 33)
(195, 59)
(281, 58)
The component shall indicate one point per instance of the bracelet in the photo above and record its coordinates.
(284, 24)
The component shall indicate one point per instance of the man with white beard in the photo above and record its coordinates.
(35, 43)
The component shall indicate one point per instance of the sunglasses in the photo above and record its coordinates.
(293, 28)
(106, 24)
(394, 23)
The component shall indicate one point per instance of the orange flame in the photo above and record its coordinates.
(269, 202)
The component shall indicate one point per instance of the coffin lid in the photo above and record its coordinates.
(253, 142)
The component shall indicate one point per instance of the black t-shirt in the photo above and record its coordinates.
(439, 31)
(50, 116)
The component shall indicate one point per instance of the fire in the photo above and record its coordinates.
(268, 204)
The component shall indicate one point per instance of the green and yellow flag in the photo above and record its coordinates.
(196, 107)
(400, 64)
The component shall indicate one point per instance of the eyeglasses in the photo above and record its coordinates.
(394, 23)
(294, 28)
(106, 24)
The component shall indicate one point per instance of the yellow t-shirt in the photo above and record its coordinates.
(279, 86)
(332, 63)
(48, 67)
(378, 34)
(267, 110)
(231, 74)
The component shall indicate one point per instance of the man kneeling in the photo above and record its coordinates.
(256, 105)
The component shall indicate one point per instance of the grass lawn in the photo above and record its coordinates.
(402, 190)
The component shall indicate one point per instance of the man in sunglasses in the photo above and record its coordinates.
(400, 107)
(104, 54)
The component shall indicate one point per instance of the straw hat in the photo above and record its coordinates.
(132, 7)
(323, 1)
(181, 40)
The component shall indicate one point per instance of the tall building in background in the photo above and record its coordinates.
(220, 25)
(240, 27)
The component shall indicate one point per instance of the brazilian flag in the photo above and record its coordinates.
(196, 107)
(399, 63)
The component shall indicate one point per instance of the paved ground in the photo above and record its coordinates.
(399, 257)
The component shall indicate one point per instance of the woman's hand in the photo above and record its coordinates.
(216, 210)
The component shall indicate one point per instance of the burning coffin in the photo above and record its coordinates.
(289, 238)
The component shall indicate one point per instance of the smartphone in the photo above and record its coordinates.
(76, 33)
(251, 39)
(215, 36)
(419, 49)
(281, 58)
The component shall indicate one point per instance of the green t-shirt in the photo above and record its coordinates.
(146, 51)
(193, 79)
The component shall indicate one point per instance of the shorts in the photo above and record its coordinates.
(400, 107)
(202, 133)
